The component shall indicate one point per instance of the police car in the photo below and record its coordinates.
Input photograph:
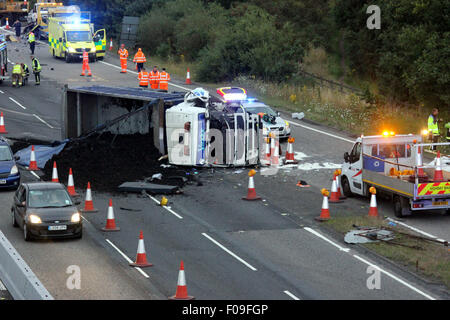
(272, 122)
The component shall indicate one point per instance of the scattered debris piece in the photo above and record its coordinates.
(303, 184)
(152, 188)
(157, 176)
(368, 235)
(130, 209)
(298, 115)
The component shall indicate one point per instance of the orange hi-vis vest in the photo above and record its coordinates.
(164, 79)
(154, 79)
(143, 78)
(85, 57)
(123, 53)
(139, 57)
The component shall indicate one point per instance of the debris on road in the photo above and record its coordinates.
(368, 235)
(152, 188)
(298, 115)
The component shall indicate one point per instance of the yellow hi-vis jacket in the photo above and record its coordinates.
(31, 37)
(433, 125)
(17, 69)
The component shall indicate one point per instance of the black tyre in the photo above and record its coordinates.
(67, 58)
(26, 233)
(346, 187)
(14, 222)
(79, 235)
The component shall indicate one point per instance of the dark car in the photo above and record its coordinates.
(9, 172)
(45, 210)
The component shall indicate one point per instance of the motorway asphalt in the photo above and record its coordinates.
(232, 249)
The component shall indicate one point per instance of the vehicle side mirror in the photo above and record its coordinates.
(21, 204)
(346, 157)
(278, 113)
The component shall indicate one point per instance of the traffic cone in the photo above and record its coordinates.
(275, 151)
(7, 24)
(110, 45)
(373, 210)
(88, 203)
(188, 77)
(289, 159)
(251, 194)
(334, 193)
(267, 152)
(438, 176)
(181, 293)
(110, 220)
(71, 185)
(338, 184)
(33, 164)
(55, 173)
(2, 124)
(419, 163)
(325, 213)
(141, 256)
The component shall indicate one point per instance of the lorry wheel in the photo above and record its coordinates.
(346, 187)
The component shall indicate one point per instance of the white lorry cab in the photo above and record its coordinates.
(393, 165)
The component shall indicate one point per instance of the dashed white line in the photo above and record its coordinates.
(34, 174)
(44, 122)
(167, 208)
(326, 239)
(394, 277)
(24, 108)
(126, 258)
(291, 295)
(416, 230)
(229, 252)
(2, 92)
(322, 132)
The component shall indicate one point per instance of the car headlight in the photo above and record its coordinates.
(76, 217)
(14, 170)
(71, 50)
(93, 49)
(34, 219)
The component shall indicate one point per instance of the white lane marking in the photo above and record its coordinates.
(134, 72)
(229, 252)
(416, 230)
(322, 132)
(167, 208)
(128, 259)
(2, 92)
(326, 239)
(34, 174)
(37, 117)
(16, 112)
(394, 277)
(24, 108)
(291, 295)
(318, 166)
(2, 286)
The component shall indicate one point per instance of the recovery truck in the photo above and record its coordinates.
(3, 59)
(13, 10)
(391, 163)
(68, 36)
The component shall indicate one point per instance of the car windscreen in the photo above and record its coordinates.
(49, 198)
(261, 109)
(5, 154)
(76, 36)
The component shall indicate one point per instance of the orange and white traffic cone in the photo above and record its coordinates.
(2, 124)
(71, 185)
(251, 194)
(7, 24)
(373, 210)
(181, 293)
(338, 173)
(110, 44)
(419, 163)
(275, 151)
(33, 164)
(325, 212)
(55, 173)
(267, 152)
(334, 193)
(188, 77)
(141, 256)
(289, 159)
(88, 203)
(110, 220)
(438, 176)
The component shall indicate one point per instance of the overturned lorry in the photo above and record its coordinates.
(191, 129)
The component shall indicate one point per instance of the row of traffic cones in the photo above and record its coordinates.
(272, 151)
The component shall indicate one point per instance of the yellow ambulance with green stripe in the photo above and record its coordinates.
(68, 37)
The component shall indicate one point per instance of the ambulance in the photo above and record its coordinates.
(69, 36)
(393, 164)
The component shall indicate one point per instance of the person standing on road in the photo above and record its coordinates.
(86, 64)
(154, 78)
(36, 70)
(164, 79)
(17, 75)
(433, 127)
(143, 78)
(139, 59)
(18, 26)
(123, 54)
(25, 74)
(32, 41)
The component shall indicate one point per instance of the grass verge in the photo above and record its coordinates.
(423, 257)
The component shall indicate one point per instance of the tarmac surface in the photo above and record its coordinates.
(232, 249)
